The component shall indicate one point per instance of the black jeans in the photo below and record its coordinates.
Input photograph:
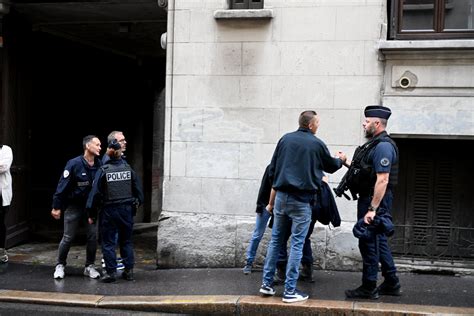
(3, 227)
(73, 216)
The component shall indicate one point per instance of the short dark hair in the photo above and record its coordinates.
(306, 117)
(86, 140)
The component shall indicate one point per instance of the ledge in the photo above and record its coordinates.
(258, 14)
(395, 45)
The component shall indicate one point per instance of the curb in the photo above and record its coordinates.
(225, 304)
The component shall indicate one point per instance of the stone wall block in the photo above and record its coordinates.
(358, 23)
(312, 92)
(182, 194)
(356, 92)
(213, 91)
(342, 252)
(187, 124)
(210, 160)
(255, 92)
(229, 196)
(182, 243)
(261, 59)
(224, 59)
(191, 58)
(202, 25)
(308, 24)
(241, 125)
(243, 31)
(181, 26)
(177, 159)
(253, 160)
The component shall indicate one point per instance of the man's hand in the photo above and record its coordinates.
(343, 157)
(90, 220)
(56, 213)
(369, 217)
(269, 208)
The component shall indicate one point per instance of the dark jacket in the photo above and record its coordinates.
(75, 183)
(264, 192)
(325, 209)
(299, 161)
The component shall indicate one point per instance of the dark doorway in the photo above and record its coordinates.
(434, 201)
(82, 72)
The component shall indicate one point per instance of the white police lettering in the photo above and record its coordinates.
(119, 176)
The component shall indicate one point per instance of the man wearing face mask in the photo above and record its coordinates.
(71, 195)
(377, 163)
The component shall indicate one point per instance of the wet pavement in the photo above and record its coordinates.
(31, 268)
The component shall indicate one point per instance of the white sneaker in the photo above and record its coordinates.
(59, 272)
(3, 256)
(91, 272)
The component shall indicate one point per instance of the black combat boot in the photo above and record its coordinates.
(306, 274)
(108, 277)
(390, 286)
(368, 289)
(127, 274)
(280, 274)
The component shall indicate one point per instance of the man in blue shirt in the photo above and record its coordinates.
(377, 160)
(71, 195)
(297, 169)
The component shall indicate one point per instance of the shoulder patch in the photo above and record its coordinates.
(66, 173)
(384, 162)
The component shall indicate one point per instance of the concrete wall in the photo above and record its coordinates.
(234, 87)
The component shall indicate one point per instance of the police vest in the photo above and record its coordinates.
(364, 178)
(118, 183)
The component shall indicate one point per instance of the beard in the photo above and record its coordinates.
(369, 132)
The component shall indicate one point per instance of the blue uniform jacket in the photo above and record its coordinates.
(94, 201)
(75, 183)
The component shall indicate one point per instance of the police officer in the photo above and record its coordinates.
(119, 137)
(378, 163)
(71, 195)
(117, 191)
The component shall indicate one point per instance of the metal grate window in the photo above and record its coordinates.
(246, 4)
(433, 203)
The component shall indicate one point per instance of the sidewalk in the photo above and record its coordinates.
(27, 278)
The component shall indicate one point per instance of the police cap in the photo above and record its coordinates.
(377, 111)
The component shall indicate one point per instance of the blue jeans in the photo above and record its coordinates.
(307, 251)
(287, 208)
(260, 226)
(117, 219)
(73, 216)
(376, 250)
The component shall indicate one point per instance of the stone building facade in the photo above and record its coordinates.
(237, 81)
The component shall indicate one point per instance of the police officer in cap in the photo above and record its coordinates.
(378, 166)
(117, 192)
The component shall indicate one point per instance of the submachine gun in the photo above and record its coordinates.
(351, 180)
(344, 184)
